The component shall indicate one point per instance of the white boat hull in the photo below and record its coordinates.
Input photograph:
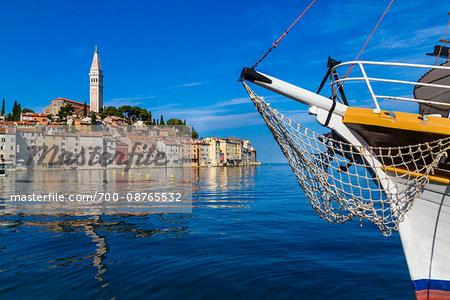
(425, 236)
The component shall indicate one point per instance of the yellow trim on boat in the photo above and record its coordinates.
(397, 120)
(415, 174)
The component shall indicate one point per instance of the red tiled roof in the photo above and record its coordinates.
(29, 114)
(26, 123)
(73, 102)
(7, 123)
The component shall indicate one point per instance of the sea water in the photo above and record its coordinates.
(251, 235)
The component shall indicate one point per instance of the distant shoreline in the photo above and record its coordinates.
(21, 170)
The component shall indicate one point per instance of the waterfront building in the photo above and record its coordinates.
(8, 145)
(215, 157)
(202, 153)
(223, 151)
(248, 152)
(51, 156)
(233, 150)
(252, 155)
(70, 143)
(28, 139)
(173, 150)
(146, 146)
(96, 83)
(92, 144)
(121, 154)
(245, 145)
(2, 144)
(143, 148)
(190, 153)
(110, 149)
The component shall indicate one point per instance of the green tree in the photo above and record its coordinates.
(19, 112)
(15, 112)
(175, 122)
(161, 122)
(69, 109)
(93, 120)
(134, 113)
(194, 133)
(144, 115)
(65, 111)
(112, 111)
(125, 109)
(101, 113)
(84, 110)
(27, 110)
(3, 108)
(61, 113)
(149, 116)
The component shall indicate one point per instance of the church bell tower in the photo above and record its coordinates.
(96, 84)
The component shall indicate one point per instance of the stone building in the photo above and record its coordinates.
(57, 103)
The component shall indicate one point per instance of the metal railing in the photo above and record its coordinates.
(336, 83)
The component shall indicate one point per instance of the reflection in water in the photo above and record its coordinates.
(95, 192)
(102, 248)
(219, 188)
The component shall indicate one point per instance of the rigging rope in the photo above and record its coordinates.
(442, 44)
(373, 31)
(274, 45)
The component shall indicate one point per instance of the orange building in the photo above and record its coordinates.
(34, 117)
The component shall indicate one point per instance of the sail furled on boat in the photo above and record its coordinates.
(339, 179)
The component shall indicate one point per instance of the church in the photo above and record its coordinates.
(96, 92)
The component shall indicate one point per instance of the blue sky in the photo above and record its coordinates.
(183, 58)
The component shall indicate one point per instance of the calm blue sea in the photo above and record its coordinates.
(251, 235)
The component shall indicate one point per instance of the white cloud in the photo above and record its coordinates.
(187, 84)
(232, 102)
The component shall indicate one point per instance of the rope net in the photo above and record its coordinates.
(344, 181)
